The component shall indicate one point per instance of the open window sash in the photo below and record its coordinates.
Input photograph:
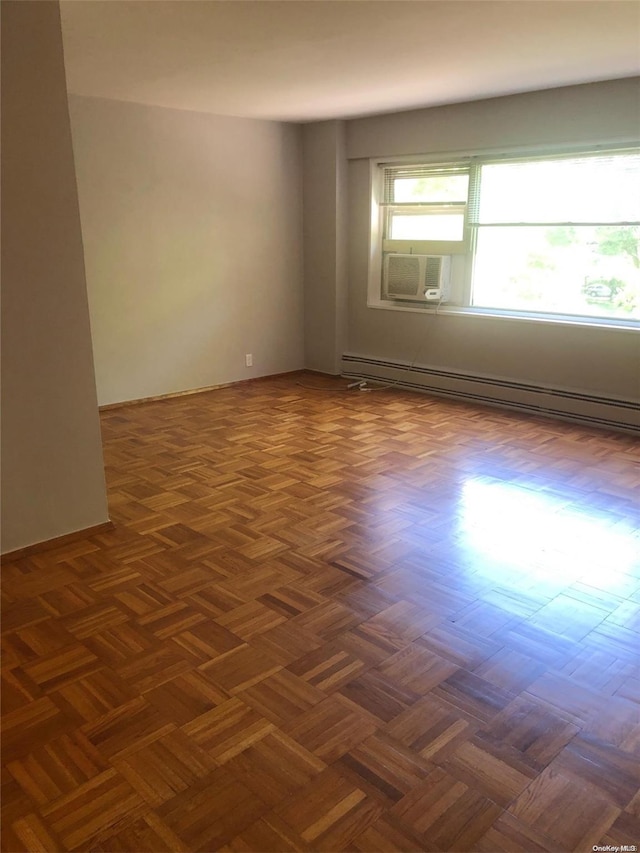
(430, 229)
(424, 208)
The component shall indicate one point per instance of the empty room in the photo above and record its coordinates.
(320, 420)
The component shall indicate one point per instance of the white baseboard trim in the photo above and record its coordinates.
(590, 409)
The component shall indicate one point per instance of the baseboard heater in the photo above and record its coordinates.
(590, 409)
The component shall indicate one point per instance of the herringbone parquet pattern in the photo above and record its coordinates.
(332, 621)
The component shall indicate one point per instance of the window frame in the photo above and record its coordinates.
(439, 208)
(425, 246)
(463, 257)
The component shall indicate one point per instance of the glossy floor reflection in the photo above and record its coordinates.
(541, 534)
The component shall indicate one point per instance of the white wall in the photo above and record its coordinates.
(193, 242)
(589, 360)
(52, 469)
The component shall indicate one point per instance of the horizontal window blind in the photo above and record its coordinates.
(405, 172)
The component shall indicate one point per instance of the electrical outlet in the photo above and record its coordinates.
(248, 360)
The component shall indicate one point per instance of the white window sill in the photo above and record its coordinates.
(623, 325)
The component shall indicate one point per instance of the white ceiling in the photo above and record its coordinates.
(303, 60)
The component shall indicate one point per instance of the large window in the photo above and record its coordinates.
(543, 236)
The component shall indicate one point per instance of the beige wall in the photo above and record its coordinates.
(599, 361)
(571, 115)
(192, 233)
(52, 470)
(325, 245)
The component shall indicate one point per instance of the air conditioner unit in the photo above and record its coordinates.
(418, 278)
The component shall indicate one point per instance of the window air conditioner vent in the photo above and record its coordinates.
(418, 278)
(432, 272)
(403, 278)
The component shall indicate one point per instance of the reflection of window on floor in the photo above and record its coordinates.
(543, 535)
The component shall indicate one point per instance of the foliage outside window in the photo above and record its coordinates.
(548, 235)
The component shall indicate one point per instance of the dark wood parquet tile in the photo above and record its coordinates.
(209, 813)
(120, 647)
(328, 668)
(207, 640)
(432, 728)
(228, 729)
(93, 810)
(30, 832)
(473, 696)
(612, 772)
(321, 622)
(624, 831)
(17, 689)
(329, 811)
(270, 834)
(37, 722)
(62, 667)
(389, 834)
(447, 812)
(500, 772)
(67, 600)
(240, 668)
(127, 728)
(533, 731)
(164, 767)
(384, 768)
(95, 696)
(35, 641)
(460, 646)
(564, 810)
(509, 835)
(171, 620)
(332, 727)
(282, 697)
(275, 767)
(381, 696)
(371, 644)
(417, 669)
(510, 670)
(251, 619)
(147, 833)
(186, 696)
(58, 768)
(287, 643)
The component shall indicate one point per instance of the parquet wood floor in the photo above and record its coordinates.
(332, 621)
